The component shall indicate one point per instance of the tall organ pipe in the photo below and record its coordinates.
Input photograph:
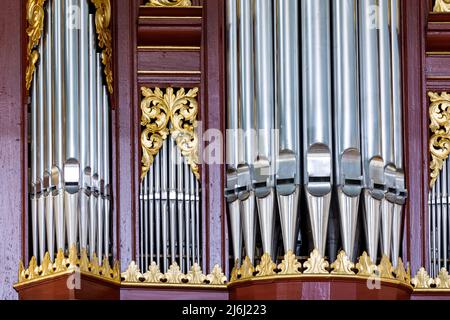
(85, 170)
(59, 122)
(106, 169)
(72, 157)
(245, 170)
(47, 59)
(34, 183)
(93, 201)
(234, 143)
(397, 105)
(373, 164)
(317, 115)
(347, 155)
(387, 127)
(265, 104)
(288, 100)
(40, 152)
(100, 167)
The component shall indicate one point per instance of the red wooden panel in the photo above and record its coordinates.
(168, 59)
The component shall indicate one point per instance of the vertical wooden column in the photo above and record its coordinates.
(414, 13)
(13, 138)
(213, 114)
(125, 152)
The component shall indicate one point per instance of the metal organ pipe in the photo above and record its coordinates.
(347, 155)
(232, 149)
(70, 135)
(373, 164)
(265, 115)
(288, 113)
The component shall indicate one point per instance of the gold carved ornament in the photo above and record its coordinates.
(315, 264)
(102, 25)
(169, 3)
(441, 6)
(266, 266)
(180, 109)
(290, 265)
(342, 265)
(440, 130)
(35, 19)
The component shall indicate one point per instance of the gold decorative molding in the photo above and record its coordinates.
(102, 25)
(71, 264)
(443, 280)
(174, 276)
(441, 6)
(385, 269)
(247, 270)
(422, 280)
(169, 3)
(266, 266)
(365, 266)
(290, 264)
(342, 265)
(234, 275)
(180, 109)
(35, 19)
(400, 272)
(440, 129)
(315, 264)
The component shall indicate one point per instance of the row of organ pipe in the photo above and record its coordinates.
(439, 222)
(70, 136)
(170, 218)
(314, 116)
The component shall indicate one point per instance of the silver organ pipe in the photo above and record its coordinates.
(351, 115)
(397, 106)
(247, 120)
(347, 156)
(387, 127)
(373, 164)
(288, 118)
(232, 153)
(316, 45)
(164, 204)
(70, 136)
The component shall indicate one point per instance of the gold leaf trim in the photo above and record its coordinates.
(235, 275)
(180, 109)
(174, 274)
(290, 264)
(443, 280)
(195, 275)
(400, 272)
(422, 280)
(35, 19)
(365, 266)
(169, 3)
(102, 24)
(440, 128)
(442, 6)
(216, 277)
(316, 264)
(266, 266)
(385, 269)
(342, 265)
(153, 275)
(132, 274)
(71, 263)
(246, 271)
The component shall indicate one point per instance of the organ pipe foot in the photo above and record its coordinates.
(348, 208)
(71, 217)
(288, 207)
(372, 208)
(248, 217)
(387, 212)
(236, 229)
(58, 206)
(41, 225)
(319, 210)
(396, 232)
(267, 221)
(50, 225)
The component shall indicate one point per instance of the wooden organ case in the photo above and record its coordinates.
(169, 224)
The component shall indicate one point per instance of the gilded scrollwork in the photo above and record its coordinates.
(290, 264)
(440, 130)
(169, 3)
(35, 19)
(180, 109)
(441, 6)
(315, 264)
(342, 265)
(102, 25)
(266, 266)
(365, 266)
(422, 280)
